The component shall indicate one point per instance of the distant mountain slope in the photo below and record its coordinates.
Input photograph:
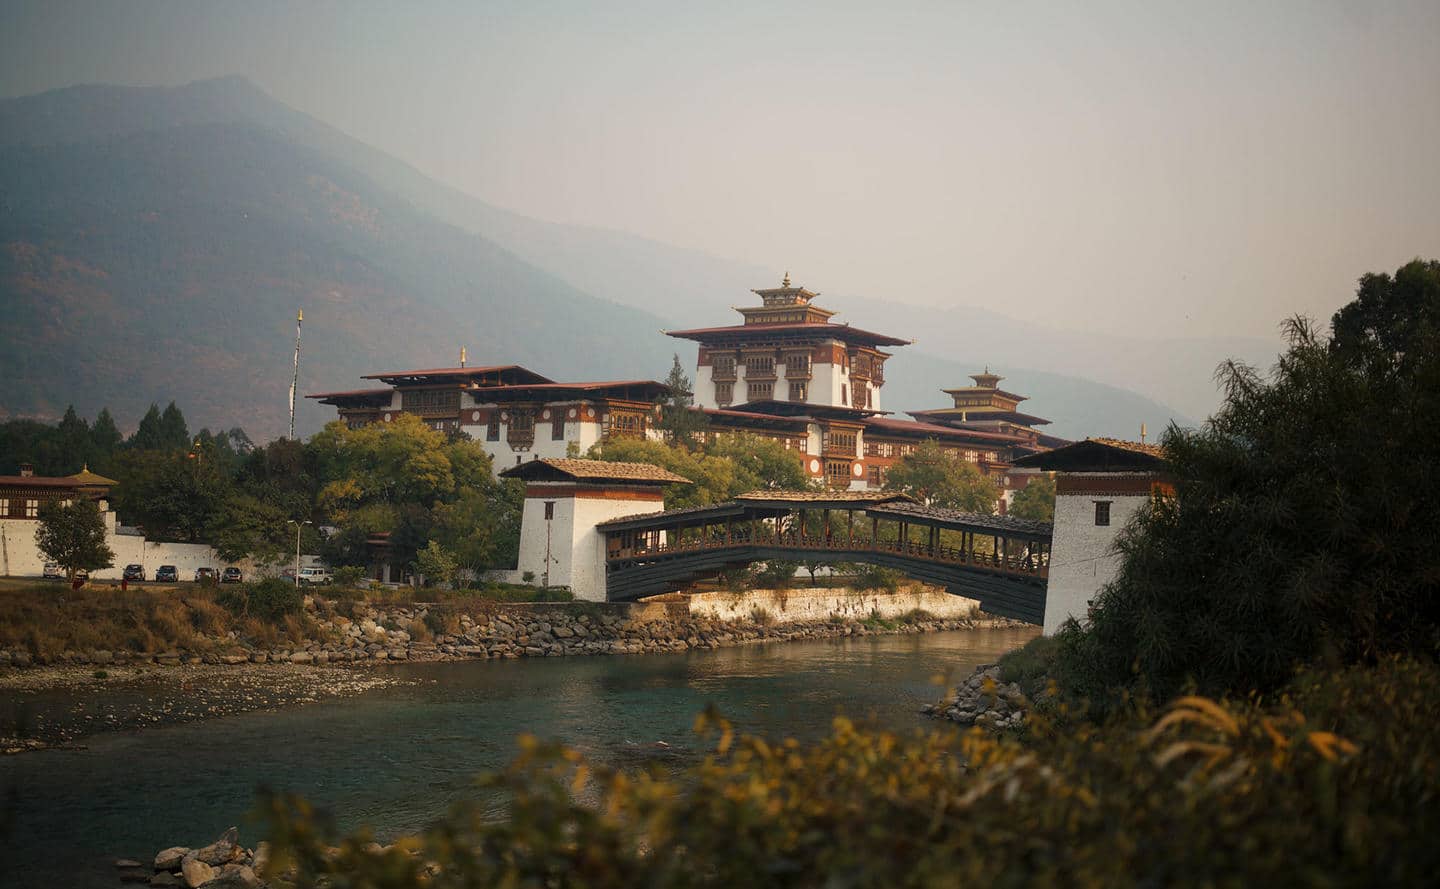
(174, 230)
(169, 264)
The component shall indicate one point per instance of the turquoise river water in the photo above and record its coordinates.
(395, 758)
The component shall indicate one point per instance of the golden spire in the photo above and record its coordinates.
(462, 356)
(299, 314)
(786, 282)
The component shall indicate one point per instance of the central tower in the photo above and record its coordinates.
(787, 350)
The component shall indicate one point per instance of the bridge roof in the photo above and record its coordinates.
(755, 504)
(822, 499)
(956, 520)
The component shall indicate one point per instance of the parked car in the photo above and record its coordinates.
(167, 574)
(206, 575)
(231, 575)
(133, 572)
(310, 576)
(53, 571)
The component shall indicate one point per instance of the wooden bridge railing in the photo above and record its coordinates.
(1030, 562)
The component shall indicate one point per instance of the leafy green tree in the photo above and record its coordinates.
(761, 463)
(244, 526)
(481, 528)
(1035, 501)
(1303, 524)
(412, 482)
(728, 467)
(436, 564)
(682, 424)
(171, 495)
(400, 462)
(715, 479)
(1394, 315)
(73, 536)
(937, 478)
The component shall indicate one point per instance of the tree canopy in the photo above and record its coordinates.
(73, 536)
(1035, 501)
(729, 466)
(937, 478)
(1303, 525)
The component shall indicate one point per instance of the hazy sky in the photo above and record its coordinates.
(1134, 167)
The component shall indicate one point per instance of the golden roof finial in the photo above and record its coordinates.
(462, 356)
(786, 282)
(299, 314)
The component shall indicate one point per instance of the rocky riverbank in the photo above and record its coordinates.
(223, 864)
(361, 633)
(343, 651)
(983, 700)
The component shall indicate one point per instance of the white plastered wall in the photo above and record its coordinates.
(1082, 554)
(576, 550)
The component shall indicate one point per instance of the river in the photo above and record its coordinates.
(394, 758)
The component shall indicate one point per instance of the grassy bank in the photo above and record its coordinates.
(46, 620)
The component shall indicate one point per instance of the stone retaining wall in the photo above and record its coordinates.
(824, 603)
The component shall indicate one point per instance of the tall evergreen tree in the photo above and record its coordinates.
(678, 418)
(173, 430)
(150, 434)
(74, 441)
(105, 440)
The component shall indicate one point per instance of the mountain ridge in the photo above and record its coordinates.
(380, 184)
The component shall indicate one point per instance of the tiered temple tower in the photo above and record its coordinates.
(788, 350)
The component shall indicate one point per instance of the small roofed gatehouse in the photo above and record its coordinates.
(565, 499)
(1100, 484)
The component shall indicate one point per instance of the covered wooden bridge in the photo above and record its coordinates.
(1001, 562)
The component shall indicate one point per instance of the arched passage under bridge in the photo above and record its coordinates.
(1002, 562)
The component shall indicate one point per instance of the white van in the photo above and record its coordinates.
(308, 576)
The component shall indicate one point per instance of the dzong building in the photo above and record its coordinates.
(786, 372)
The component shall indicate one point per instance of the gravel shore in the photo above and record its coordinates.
(48, 707)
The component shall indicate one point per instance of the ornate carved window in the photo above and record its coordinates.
(557, 424)
(798, 391)
(722, 367)
(724, 393)
(626, 424)
(760, 391)
(430, 402)
(520, 433)
(759, 366)
(492, 429)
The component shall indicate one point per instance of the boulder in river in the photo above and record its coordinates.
(196, 872)
(220, 851)
(169, 859)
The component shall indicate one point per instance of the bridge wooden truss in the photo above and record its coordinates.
(1001, 562)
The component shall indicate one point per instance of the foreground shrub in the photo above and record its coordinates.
(1312, 790)
(271, 599)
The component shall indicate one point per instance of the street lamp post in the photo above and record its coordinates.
(298, 526)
